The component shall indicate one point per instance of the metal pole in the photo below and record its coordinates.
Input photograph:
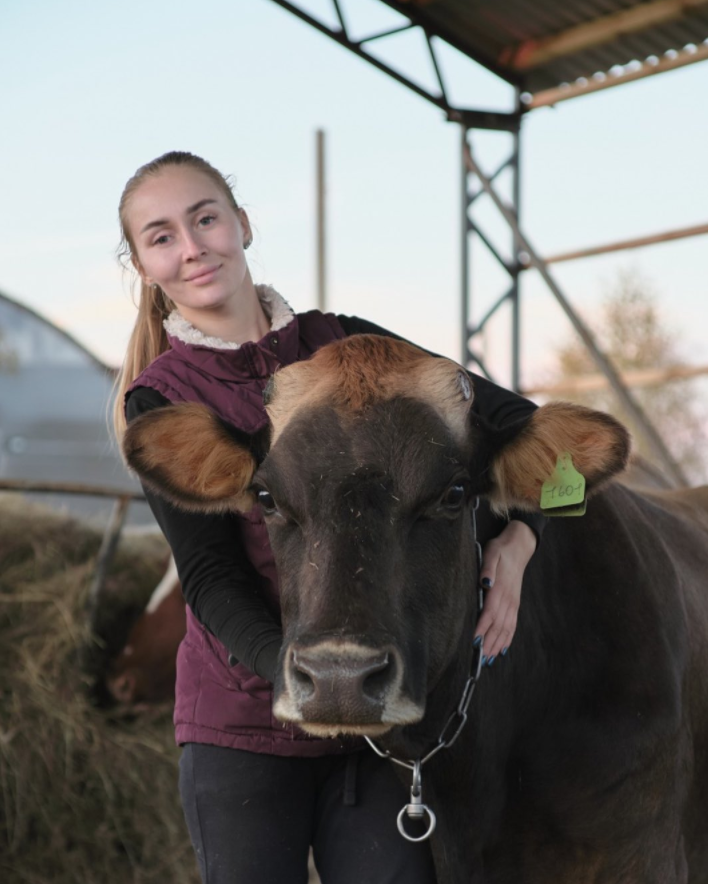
(515, 263)
(42, 487)
(321, 223)
(464, 254)
(106, 553)
(654, 440)
(636, 243)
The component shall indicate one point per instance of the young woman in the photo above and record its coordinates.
(256, 793)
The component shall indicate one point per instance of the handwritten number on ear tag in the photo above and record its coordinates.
(564, 491)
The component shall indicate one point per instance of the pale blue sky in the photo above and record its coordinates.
(90, 91)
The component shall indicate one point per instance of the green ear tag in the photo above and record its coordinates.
(563, 493)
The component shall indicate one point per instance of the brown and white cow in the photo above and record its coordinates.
(586, 755)
(144, 669)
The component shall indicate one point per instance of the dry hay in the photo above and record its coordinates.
(87, 796)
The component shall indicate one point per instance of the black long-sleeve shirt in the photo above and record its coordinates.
(219, 584)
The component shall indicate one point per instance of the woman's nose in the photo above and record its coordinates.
(192, 247)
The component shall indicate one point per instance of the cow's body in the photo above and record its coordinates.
(143, 671)
(586, 755)
(584, 759)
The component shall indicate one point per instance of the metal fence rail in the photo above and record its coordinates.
(114, 528)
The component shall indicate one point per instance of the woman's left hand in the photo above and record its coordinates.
(503, 565)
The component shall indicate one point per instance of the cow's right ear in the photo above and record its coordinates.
(189, 456)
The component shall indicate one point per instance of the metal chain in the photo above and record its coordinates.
(416, 809)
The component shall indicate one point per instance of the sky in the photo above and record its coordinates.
(90, 91)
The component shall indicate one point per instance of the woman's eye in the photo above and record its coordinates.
(207, 220)
(161, 240)
(265, 499)
(454, 497)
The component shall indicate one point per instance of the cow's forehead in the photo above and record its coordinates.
(365, 370)
(399, 446)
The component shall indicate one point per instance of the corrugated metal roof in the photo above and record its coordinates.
(506, 35)
(33, 316)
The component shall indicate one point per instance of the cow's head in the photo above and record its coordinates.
(365, 478)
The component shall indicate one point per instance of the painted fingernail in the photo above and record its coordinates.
(504, 652)
(487, 582)
(477, 642)
(484, 659)
(491, 660)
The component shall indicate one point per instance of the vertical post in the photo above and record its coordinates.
(464, 253)
(321, 221)
(515, 263)
(106, 552)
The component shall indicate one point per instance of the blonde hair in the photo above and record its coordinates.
(148, 339)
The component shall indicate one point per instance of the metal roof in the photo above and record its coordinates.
(540, 44)
(33, 316)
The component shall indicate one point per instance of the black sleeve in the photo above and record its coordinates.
(219, 584)
(498, 405)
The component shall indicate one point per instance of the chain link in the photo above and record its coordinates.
(456, 721)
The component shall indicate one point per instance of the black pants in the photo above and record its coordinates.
(252, 818)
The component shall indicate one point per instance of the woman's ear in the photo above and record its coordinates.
(246, 228)
(139, 268)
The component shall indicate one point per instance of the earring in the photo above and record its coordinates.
(247, 243)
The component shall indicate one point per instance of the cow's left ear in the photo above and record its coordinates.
(598, 444)
(188, 455)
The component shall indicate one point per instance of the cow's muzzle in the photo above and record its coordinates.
(341, 686)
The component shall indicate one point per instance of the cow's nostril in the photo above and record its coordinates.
(302, 680)
(378, 679)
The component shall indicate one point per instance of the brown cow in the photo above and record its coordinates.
(144, 670)
(586, 755)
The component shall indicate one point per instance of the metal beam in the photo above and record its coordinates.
(548, 97)
(465, 354)
(415, 11)
(652, 437)
(534, 53)
(470, 117)
(42, 487)
(636, 243)
(641, 377)
(472, 228)
(321, 222)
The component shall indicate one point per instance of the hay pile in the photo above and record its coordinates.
(86, 796)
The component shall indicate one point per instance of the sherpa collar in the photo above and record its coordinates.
(276, 308)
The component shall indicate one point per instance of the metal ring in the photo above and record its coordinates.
(426, 835)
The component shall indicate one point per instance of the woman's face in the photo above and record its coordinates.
(189, 240)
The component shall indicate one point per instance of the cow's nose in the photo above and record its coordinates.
(349, 682)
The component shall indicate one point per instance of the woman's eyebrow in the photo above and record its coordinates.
(195, 208)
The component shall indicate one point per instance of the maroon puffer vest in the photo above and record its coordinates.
(216, 703)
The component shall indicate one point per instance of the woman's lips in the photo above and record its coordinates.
(205, 276)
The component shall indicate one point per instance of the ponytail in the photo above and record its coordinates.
(147, 341)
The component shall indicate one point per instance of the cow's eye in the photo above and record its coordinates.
(268, 504)
(454, 497)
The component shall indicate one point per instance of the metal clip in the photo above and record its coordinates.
(416, 809)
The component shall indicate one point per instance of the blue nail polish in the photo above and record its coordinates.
(484, 659)
(477, 642)
(487, 582)
(491, 660)
(504, 651)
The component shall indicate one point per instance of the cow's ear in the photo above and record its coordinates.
(598, 445)
(188, 455)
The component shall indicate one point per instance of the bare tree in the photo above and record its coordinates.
(635, 336)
